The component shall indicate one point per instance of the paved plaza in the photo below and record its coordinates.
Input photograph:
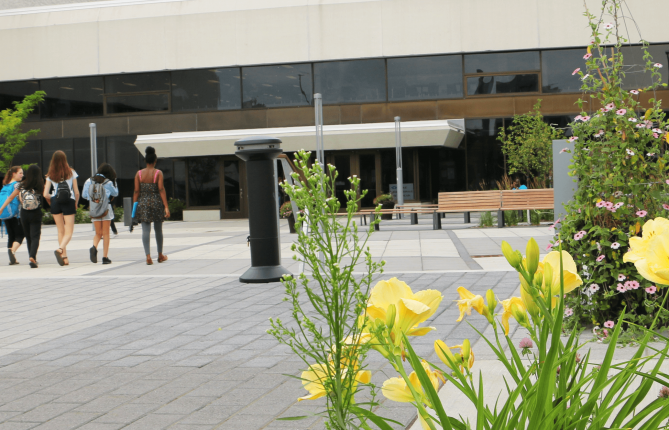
(183, 344)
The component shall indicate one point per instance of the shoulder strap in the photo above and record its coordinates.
(155, 176)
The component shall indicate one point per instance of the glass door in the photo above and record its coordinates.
(367, 168)
(343, 164)
(233, 180)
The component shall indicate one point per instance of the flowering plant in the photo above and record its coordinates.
(621, 166)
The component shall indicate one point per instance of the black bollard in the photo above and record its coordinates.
(259, 154)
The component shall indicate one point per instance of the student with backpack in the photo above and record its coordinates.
(9, 213)
(30, 197)
(63, 200)
(98, 190)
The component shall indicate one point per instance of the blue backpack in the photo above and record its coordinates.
(12, 209)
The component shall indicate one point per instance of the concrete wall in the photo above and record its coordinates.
(116, 36)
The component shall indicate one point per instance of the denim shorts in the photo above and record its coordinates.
(66, 209)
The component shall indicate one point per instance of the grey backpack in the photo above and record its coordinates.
(99, 200)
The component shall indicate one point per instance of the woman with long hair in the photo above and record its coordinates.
(152, 206)
(106, 178)
(63, 200)
(10, 186)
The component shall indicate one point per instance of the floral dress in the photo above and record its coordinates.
(150, 206)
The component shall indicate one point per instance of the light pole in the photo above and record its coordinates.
(398, 157)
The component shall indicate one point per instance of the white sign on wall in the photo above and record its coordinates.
(408, 191)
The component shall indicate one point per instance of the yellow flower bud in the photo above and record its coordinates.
(492, 303)
(510, 255)
(391, 312)
(548, 279)
(532, 255)
(466, 350)
(538, 278)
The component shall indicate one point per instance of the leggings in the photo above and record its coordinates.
(32, 226)
(146, 235)
(113, 227)
(14, 231)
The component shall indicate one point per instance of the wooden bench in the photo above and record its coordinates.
(521, 200)
(413, 211)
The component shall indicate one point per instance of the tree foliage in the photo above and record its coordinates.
(527, 144)
(12, 139)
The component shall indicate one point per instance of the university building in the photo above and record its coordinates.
(189, 77)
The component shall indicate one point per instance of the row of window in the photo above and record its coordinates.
(340, 82)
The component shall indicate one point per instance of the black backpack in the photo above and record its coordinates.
(63, 193)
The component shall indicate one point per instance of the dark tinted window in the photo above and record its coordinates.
(136, 83)
(204, 185)
(423, 78)
(485, 160)
(138, 103)
(502, 84)
(82, 158)
(286, 85)
(635, 77)
(360, 81)
(15, 92)
(52, 145)
(74, 97)
(124, 158)
(557, 68)
(31, 153)
(210, 89)
(501, 62)
(180, 180)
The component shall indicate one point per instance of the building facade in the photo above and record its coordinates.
(142, 69)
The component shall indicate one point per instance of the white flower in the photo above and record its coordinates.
(615, 245)
(594, 288)
(608, 26)
(630, 152)
(657, 65)
(631, 119)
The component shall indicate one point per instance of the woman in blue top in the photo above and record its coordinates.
(14, 229)
(107, 177)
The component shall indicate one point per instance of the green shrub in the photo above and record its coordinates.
(486, 220)
(176, 208)
(511, 218)
(81, 217)
(383, 198)
(118, 214)
(47, 218)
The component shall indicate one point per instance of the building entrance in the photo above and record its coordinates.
(233, 184)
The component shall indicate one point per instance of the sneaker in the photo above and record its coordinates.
(93, 254)
(12, 258)
(33, 263)
(114, 235)
(106, 260)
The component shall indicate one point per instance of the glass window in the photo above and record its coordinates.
(31, 153)
(165, 165)
(124, 158)
(138, 103)
(635, 76)
(180, 180)
(502, 62)
(138, 83)
(210, 89)
(82, 158)
(15, 92)
(285, 85)
(204, 185)
(485, 160)
(422, 78)
(359, 81)
(557, 68)
(50, 146)
(75, 97)
(502, 84)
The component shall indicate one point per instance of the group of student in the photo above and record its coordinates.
(22, 198)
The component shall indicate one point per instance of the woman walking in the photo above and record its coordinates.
(10, 186)
(152, 206)
(63, 200)
(102, 212)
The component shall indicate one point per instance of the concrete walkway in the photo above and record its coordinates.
(183, 344)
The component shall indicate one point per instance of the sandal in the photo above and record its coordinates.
(59, 256)
(161, 258)
(148, 260)
(12, 258)
(67, 262)
(33, 263)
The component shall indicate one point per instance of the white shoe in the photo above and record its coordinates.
(114, 235)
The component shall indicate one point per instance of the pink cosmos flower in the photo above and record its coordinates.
(549, 246)
(622, 277)
(641, 214)
(600, 258)
(583, 232)
(615, 245)
(635, 92)
(621, 288)
(651, 289)
(628, 285)
(609, 205)
(650, 154)
(657, 130)
(611, 106)
(609, 324)
(648, 123)
(573, 138)
(621, 111)
(525, 343)
(585, 118)
(608, 26)
(594, 288)
(600, 133)
(640, 126)
(613, 209)
(575, 71)
(568, 312)
(606, 334)
(587, 56)
(600, 204)
(563, 150)
(665, 206)
(633, 285)
(631, 119)
(586, 76)
(604, 110)
(618, 205)
(667, 181)
(579, 236)
(655, 135)
(658, 65)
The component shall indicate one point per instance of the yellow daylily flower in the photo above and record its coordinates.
(465, 357)
(513, 308)
(397, 389)
(411, 309)
(469, 301)
(569, 271)
(314, 378)
(650, 253)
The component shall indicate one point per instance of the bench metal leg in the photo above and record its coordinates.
(443, 215)
(436, 221)
(376, 226)
(467, 218)
(414, 218)
(500, 218)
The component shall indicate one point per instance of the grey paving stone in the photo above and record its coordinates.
(154, 421)
(68, 420)
(105, 403)
(185, 405)
(125, 414)
(45, 412)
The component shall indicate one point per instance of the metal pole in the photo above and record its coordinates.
(318, 112)
(278, 203)
(94, 148)
(398, 156)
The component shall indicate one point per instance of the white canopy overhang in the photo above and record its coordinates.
(445, 133)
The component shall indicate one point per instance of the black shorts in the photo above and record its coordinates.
(66, 209)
